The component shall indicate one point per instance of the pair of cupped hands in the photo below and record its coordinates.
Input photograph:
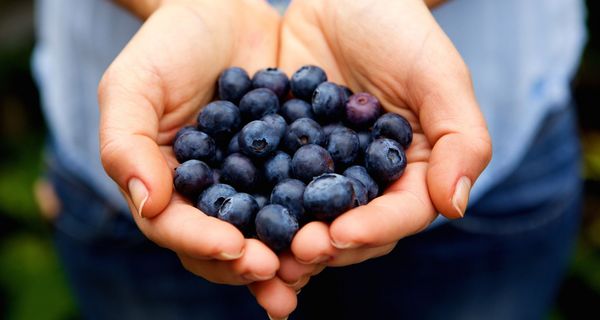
(392, 49)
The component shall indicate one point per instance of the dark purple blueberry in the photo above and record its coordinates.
(212, 198)
(289, 193)
(261, 200)
(310, 161)
(239, 171)
(276, 227)
(184, 130)
(360, 192)
(393, 126)
(343, 146)
(277, 122)
(295, 109)
(194, 145)
(258, 140)
(233, 84)
(385, 160)
(329, 128)
(192, 177)
(277, 168)
(234, 145)
(360, 173)
(220, 119)
(362, 110)
(302, 132)
(304, 81)
(328, 102)
(240, 210)
(365, 139)
(272, 79)
(347, 93)
(258, 103)
(328, 196)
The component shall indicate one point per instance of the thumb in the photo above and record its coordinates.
(461, 145)
(129, 122)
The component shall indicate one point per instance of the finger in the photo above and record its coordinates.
(403, 209)
(353, 256)
(278, 299)
(187, 231)
(304, 249)
(258, 263)
(294, 273)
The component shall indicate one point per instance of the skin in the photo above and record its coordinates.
(401, 55)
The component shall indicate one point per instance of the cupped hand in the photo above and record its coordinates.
(396, 51)
(154, 87)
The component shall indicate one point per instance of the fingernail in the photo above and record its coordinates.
(298, 282)
(256, 277)
(273, 318)
(230, 256)
(460, 199)
(342, 245)
(138, 194)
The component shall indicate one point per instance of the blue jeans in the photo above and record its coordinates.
(504, 260)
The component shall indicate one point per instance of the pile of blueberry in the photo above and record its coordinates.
(274, 153)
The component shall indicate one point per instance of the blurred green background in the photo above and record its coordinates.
(32, 284)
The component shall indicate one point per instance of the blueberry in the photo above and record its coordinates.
(304, 81)
(347, 93)
(328, 102)
(272, 79)
(360, 173)
(360, 192)
(258, 140)
(343, 146)
(278, 168)
(234, 145)
(220, 119)
(216, 175)
(302, 132)
(192, 177)
(261, 200)
(289, 193)
(362, 110)
(385, 160)
(233, 84)
(276, 227)
(240, 210)
(295, 109)
(393, 126)
(364, 139)
(194, 145)
(258, 103)
(277, 122)
(328, 196)
(310, 161)
(239, 171)
(217, 158)
(329, 128)
(184, 130)
(212, 198)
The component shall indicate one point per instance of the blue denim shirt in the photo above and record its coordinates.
(522, 56)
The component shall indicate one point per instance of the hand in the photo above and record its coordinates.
(396, 51)
(154, 87)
